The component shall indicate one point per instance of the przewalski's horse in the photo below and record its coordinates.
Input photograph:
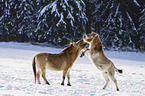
(96, 55)
(62, 61)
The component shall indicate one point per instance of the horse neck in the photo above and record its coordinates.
(72, 54)
(97, 48)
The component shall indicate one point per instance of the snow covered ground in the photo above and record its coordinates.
(16, 75)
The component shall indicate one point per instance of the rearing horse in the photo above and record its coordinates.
(62, 61)
(98, 58)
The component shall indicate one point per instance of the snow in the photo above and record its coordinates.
(79, 6)
(69, 16)
(136, 3)
(131, 21)
(61, 20)
(16, 78)
(49, 6)
(117, 10)
(66, 3)
(54, 8)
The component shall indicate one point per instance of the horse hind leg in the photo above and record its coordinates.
(44, 76)
(114, 80)
(105, 75)
(38, 77)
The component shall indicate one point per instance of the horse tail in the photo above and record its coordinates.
(118, 70)
(34, 69)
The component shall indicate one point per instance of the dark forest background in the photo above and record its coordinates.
(120, 23)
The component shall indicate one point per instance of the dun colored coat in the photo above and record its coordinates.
(98, 58)
(62, 61)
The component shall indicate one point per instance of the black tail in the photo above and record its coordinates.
(34, 69)
(118, 70)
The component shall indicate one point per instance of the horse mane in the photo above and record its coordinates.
(98, 47)
(79, 40)
(67, 48)
(98, 44)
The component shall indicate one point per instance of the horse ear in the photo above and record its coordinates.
(74, 44)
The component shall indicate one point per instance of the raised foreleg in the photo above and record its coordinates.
(85, 52)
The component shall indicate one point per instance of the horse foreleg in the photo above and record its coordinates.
(106, 79)
(63, 77)
(68, 77)
(114, 80)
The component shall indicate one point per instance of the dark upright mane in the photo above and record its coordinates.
(67, 48)
(99, 45)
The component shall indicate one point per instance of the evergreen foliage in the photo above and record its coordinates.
(120, 24)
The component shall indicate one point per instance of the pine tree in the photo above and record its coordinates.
(2, 17)
(6, 20)
(90, 8)
(16, 20)
(116, 24)
(119, 23)
(61, 21)
(141, 30)
(24, 18)
(99, 15)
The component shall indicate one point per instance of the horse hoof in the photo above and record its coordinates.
(103, 88)
(47, 83)
(68, 84)
(62, 84)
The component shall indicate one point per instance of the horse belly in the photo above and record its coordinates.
(56, 66)
(97, 62)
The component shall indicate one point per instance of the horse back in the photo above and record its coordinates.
(52, 61)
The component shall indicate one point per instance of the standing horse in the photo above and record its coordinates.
(62, 61)
(98, 58)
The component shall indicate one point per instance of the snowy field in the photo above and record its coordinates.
(16, 75)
